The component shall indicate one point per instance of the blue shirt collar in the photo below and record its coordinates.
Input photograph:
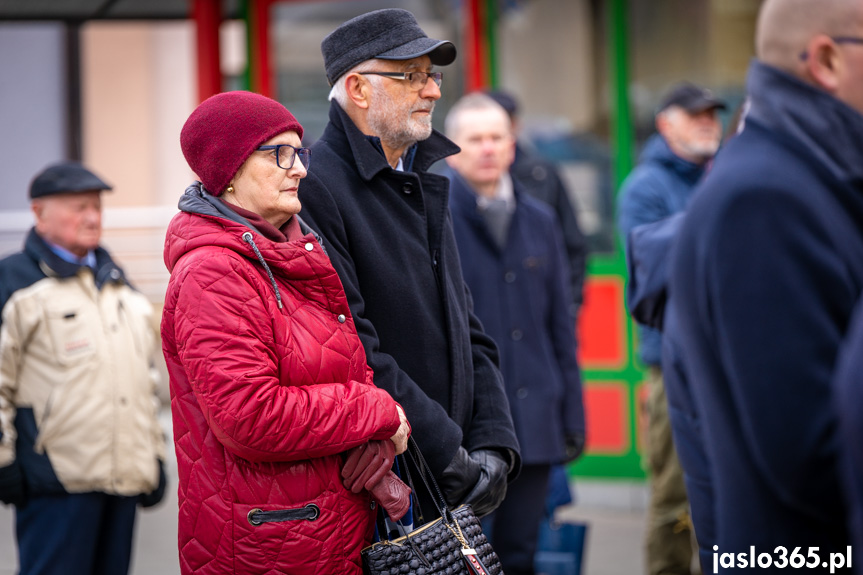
(88, 260)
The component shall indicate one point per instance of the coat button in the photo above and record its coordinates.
(309, 247)
(509, 277)
(408, 188)
(341, 318)
(516, 335)
(521, 392)
(539, 173)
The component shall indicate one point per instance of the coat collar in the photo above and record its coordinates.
(196, 200)
(656, 149)
(463, 200)
(55, 266)
(369, 158)
(827, 128)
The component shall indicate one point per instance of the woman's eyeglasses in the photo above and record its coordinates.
(286, 154)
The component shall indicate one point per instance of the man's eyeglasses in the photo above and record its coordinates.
(417, 80)
(839, 40)
(286, 154)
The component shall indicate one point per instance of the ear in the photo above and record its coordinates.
(358, 90)
(823, 63)
(511, 150)
(662, 123)
(36, 206)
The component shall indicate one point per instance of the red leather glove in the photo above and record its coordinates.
(367, 464)
(393, 495)
(368, 467)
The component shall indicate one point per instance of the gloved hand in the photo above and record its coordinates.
(573, 446)
(155, 497)
(367, 464)
(393, 495)
(489, 491)
(12, 484)
(459, 477)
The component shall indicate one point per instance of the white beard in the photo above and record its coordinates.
(396, 126)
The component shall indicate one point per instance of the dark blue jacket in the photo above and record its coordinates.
(389, 236)
(848, 384)
(648, 252)
(766, 270)
(521, 295)
(648, 255)
(540, 179)
(686, 429)
(661, 185)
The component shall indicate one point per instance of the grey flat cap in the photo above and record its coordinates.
(390, 34)
(65, 178)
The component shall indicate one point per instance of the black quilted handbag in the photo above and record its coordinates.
(452, 545)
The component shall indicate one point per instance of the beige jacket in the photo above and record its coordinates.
(76, 369)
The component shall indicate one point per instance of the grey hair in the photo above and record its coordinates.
(339, 93)
(472, 101)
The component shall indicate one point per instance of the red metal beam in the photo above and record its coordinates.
(260, 58)
(476, 57)
(207, 15)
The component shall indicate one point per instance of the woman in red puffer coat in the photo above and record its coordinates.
(269, 382)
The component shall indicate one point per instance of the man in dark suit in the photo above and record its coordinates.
(513, 260)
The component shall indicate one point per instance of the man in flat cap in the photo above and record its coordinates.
(385, 223)
(80, 443)
(672, 163)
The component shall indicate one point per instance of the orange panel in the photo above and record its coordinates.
(602, 324)
(607, 406)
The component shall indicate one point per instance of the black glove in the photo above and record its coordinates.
(459, 477)
(155, 497)
(573, 446)
(489, 491)
(12, 484)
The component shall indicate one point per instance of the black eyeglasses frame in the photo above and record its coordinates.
(305, 155)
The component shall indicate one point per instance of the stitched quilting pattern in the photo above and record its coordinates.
(263, 401)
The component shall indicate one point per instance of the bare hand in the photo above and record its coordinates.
(400, 439)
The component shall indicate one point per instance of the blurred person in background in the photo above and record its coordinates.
(541, 179)
(765, 275)
(672, 163)
(283, 442)
(648, 256)
(385, 221)
(514, 263)
(80, 443)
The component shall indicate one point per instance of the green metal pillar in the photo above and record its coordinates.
(491, 19)
(621, 119)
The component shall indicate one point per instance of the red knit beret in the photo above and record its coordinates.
(225, 129)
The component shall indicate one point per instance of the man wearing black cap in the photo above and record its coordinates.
(672, 163)
(80, 442)
(385, 223)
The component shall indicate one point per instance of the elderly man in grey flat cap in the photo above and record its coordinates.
(384, 220)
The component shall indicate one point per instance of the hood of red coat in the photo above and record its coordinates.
(205, 221)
